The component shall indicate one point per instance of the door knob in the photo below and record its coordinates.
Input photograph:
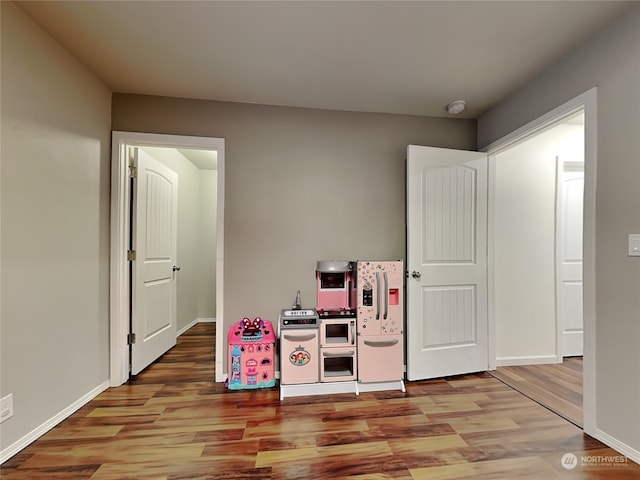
(176, 268)
(417, 275)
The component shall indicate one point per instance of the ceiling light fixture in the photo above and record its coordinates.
(456, 107)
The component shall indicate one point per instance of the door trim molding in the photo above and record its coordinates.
(586, 101)
(120, 232)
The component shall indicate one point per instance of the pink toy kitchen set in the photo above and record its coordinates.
(251, 353)
(354, 340)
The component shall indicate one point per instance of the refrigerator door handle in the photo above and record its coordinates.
(353, 333)
(378, 295)
(386, 295)
(381, 343)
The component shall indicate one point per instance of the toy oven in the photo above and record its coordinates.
(338, 358)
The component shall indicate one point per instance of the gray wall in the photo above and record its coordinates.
(207, 244)
(609, 61)
(55, 227)
(301, 185)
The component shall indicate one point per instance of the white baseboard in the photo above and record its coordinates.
(618, 446)
(531, 360)
(37, 432)
(573, 343)
(194, 322)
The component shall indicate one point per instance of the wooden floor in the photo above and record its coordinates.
(172, 422)
(557, 386)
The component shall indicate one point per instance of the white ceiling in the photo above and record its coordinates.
(384, 56)
(202, 159)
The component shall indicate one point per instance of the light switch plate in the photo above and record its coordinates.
(634, 245)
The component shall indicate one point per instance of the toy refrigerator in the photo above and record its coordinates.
(380, 317)
(251, 345)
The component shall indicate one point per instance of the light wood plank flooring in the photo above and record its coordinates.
(557, 386)
(173, 423)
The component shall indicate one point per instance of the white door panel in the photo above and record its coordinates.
(447, 262)
(155, 243)
(569, 256)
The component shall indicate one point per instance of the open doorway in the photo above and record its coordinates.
(538, 199)
(175, 148)
(196, 243)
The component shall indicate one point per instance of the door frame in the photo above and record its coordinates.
(120, 233)
(586, 102)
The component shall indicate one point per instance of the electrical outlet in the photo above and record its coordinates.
(6, 407)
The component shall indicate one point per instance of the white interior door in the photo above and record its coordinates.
(447, 262)
(569, 256)
(154, 282)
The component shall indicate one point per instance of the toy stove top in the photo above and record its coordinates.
(337, 313)
(302, 318)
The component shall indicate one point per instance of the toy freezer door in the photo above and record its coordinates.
(446, 262)
(380, 358)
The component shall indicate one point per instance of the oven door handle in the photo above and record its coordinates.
(381, 343)
(350, 353)
(300, 338)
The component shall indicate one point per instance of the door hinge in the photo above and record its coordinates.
(131, 338)
(133, 162)
(131, 255)
(133, 168)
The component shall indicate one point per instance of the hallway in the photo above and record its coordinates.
(557, 386)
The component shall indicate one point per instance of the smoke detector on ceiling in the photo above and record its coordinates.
(456, 107)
